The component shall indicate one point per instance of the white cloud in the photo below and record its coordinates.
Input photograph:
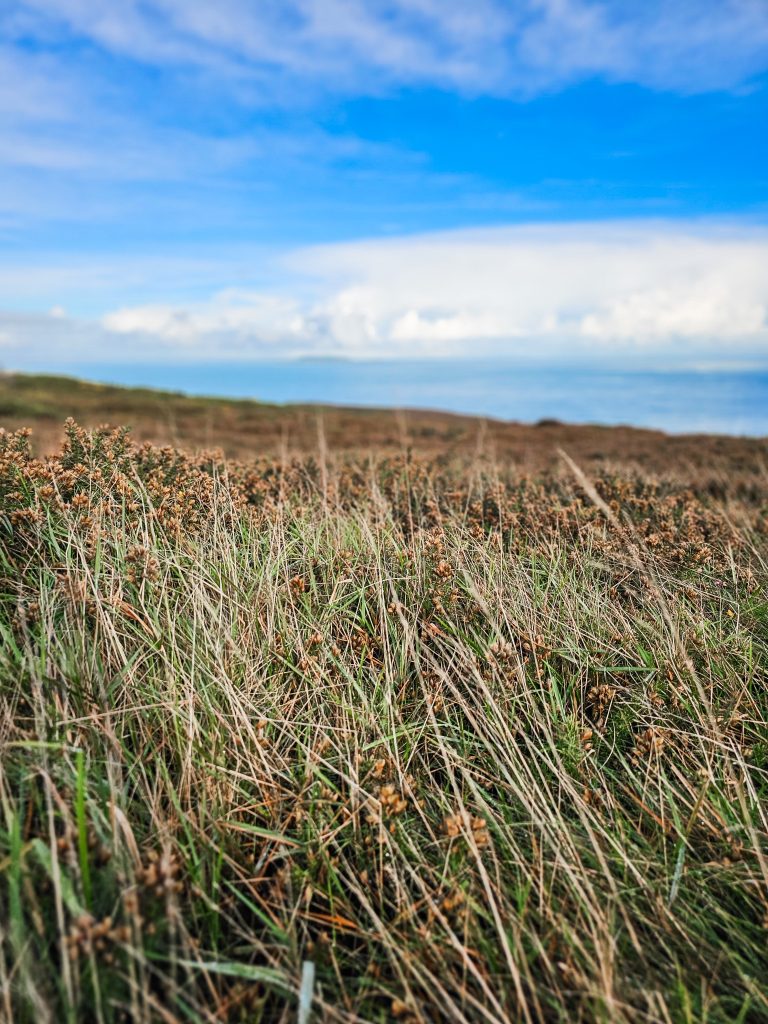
(699, 309)
(461, 325)
(236, 319)
(665, 292)
(580, 285)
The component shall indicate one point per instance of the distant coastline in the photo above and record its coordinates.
(684, 401)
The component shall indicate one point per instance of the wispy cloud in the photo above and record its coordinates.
(120, 96)
(368, 45)
(651, 291)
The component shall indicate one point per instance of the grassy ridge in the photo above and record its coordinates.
(482, 745)
(241, 429)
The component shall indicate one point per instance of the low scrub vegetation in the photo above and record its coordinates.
(479, 744)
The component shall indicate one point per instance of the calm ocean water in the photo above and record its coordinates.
(723, 402)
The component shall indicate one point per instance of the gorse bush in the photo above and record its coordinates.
(481, 746)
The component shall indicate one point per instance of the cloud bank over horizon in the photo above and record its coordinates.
(588, 292)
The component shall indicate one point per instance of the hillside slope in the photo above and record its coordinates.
(247, 429)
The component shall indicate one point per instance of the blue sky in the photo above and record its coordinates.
(187, 181)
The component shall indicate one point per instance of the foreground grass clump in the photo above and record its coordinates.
(481, 748)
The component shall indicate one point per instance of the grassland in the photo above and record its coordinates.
(476, 727)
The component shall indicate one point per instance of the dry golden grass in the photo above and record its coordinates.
(481, 742)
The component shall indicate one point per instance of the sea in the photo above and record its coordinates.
(701, 401)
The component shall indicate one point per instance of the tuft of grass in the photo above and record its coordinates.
(479, 745)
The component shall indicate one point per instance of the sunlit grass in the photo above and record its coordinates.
(480, 747)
